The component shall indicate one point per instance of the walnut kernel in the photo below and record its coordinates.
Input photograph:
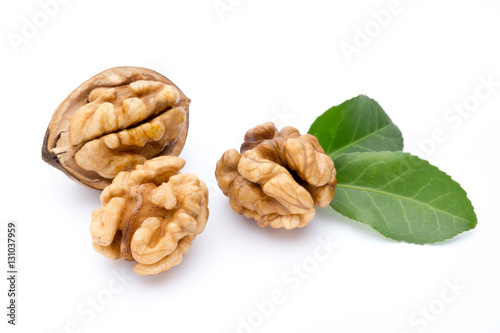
(151, 215)
(278, 178)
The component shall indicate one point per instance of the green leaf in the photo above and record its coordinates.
(357, 125)
(402, 197)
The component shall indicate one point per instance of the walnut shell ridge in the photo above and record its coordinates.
(151, 215)
(278, 177)
(115, 121)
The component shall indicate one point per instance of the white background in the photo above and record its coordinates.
(257, 61)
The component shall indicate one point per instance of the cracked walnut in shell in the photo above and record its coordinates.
(277, 177)
(150, 215)
(115, 121)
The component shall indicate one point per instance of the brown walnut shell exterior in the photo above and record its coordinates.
(58, 151)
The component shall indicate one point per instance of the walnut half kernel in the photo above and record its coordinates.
(278, 178)
(151, 215)
(115, 121)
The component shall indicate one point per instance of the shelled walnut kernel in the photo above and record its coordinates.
(278, 177)
(151, 215)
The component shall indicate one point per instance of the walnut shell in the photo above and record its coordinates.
(115, 121)
(278, 178)
(151, 215)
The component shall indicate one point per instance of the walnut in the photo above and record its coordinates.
(115, 121)
(150, 215)
(278, 178)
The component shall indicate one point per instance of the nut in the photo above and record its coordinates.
(115, 121)
(150, 215)
(278, 178)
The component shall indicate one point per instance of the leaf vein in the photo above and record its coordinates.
(338, 151)
(431, 208)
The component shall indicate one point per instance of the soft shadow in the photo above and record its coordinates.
(279, 235)
(172, 276)
(71, 192)
(327, 215)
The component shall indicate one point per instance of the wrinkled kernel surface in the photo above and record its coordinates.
(103, 126)
(278, 177)
(113, 109)
(122, 151)
(150, 215)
